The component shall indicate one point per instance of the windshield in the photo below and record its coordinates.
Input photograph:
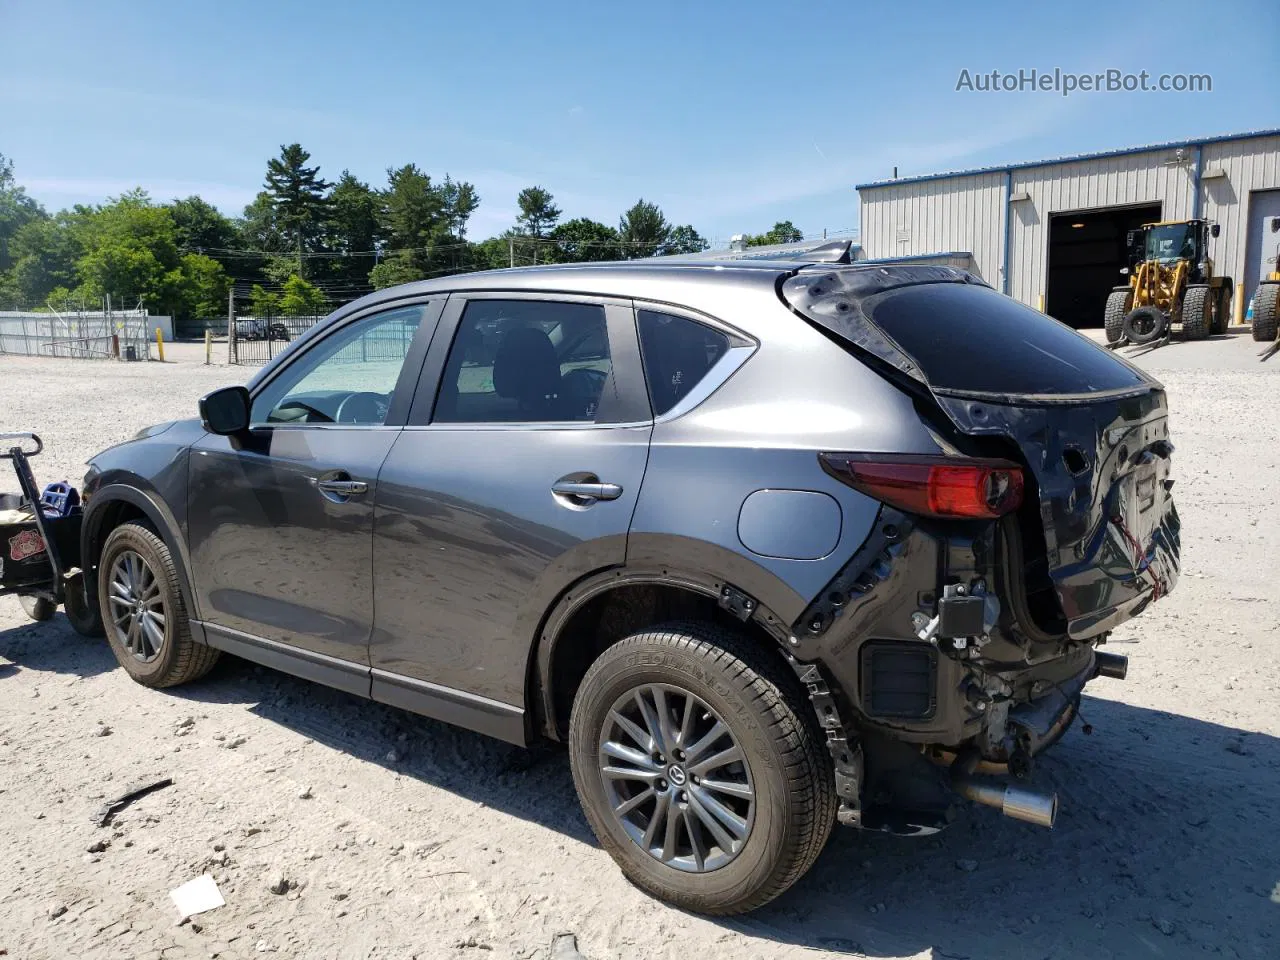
(1176, 241)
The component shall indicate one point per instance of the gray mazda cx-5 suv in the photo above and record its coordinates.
(769, 544)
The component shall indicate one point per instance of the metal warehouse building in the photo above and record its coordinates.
(1052, 233)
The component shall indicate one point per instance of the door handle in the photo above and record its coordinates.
(587, 491)
(340, 486)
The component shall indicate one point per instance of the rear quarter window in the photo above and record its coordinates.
(678, 353)
(969, 338)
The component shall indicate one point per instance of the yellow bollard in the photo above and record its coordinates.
(208, 347)
(160, 343)
(1040, 303)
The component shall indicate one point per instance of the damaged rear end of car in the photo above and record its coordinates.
(962, 632)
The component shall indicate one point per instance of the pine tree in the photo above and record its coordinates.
(299, 196)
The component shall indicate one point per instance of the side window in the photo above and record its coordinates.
(524, 361)
(677, 354)
(348, 377)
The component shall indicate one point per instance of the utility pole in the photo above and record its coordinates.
(231, 324)
(511, 250)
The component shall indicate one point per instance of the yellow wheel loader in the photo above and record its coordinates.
(1171, 283)
(1266, 309)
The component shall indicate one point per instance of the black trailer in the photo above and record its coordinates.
(39, 538)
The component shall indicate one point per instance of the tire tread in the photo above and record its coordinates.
(191, 660)
(787, 716)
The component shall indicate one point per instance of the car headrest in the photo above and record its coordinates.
(526, 367)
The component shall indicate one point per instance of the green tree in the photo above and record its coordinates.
(784, 231)
(203, 288)
(394, 271)
(262, 302)
(259, 226)
(45, 253)
(200, 228)
(300, 298)
(537, 211)
(298, 195)
(460, 202)
(582, 240)
(354, 229)
(643, 230)
(685, 239)
(16, 211)
(131, 253)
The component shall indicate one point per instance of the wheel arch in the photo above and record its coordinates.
(117, 503)
(604, 607)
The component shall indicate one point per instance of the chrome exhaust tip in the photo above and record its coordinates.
(1029, 806)
(1111, 665)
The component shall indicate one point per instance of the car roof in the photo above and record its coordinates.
(637, 278)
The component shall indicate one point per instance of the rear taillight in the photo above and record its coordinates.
(932, 486)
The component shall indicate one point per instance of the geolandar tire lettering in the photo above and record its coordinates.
(143, 611)
(701, 767)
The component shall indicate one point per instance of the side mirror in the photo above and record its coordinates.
(1217, 229)
(1275, 224)
(226, 411)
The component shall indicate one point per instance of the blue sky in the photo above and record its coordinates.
(728, 115)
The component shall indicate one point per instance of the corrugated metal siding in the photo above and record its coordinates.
(1250, 165)
(942, 215)
(967, 212)
(1073, 187)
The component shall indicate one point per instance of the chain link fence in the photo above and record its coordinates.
(82, 335)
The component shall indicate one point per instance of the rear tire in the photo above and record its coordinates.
(38, 609)
(1196, 317)
(1266, 311)
(1145, 325)
(84, 616)
(1113, 319)
(785, 802)
(1222, 311)
(143, 611)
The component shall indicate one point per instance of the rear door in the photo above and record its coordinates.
(516, 474)
(281, 521)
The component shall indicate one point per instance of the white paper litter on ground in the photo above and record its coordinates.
(197, 896)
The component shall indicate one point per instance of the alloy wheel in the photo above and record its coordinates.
(676, 779)
(137, 606)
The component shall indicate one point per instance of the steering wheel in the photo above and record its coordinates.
(362, 407)
(584, 385)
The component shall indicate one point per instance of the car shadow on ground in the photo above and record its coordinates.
(1166, 845)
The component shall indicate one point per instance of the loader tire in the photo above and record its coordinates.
(1113, 319)
(1222, 311)
(1145, 325)
(1196, 316)
(1266, 311)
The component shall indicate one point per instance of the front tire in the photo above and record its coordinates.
(143, 611)
(1118, 302)
(701, 767)
(38, 609)
(1197, 315)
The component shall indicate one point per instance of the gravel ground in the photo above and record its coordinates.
(335, 827)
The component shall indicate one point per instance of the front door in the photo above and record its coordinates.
(516, 476)
(1263, 245)
(280, 522)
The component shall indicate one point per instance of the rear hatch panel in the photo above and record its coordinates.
(1091, 429)
(1102, 473)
